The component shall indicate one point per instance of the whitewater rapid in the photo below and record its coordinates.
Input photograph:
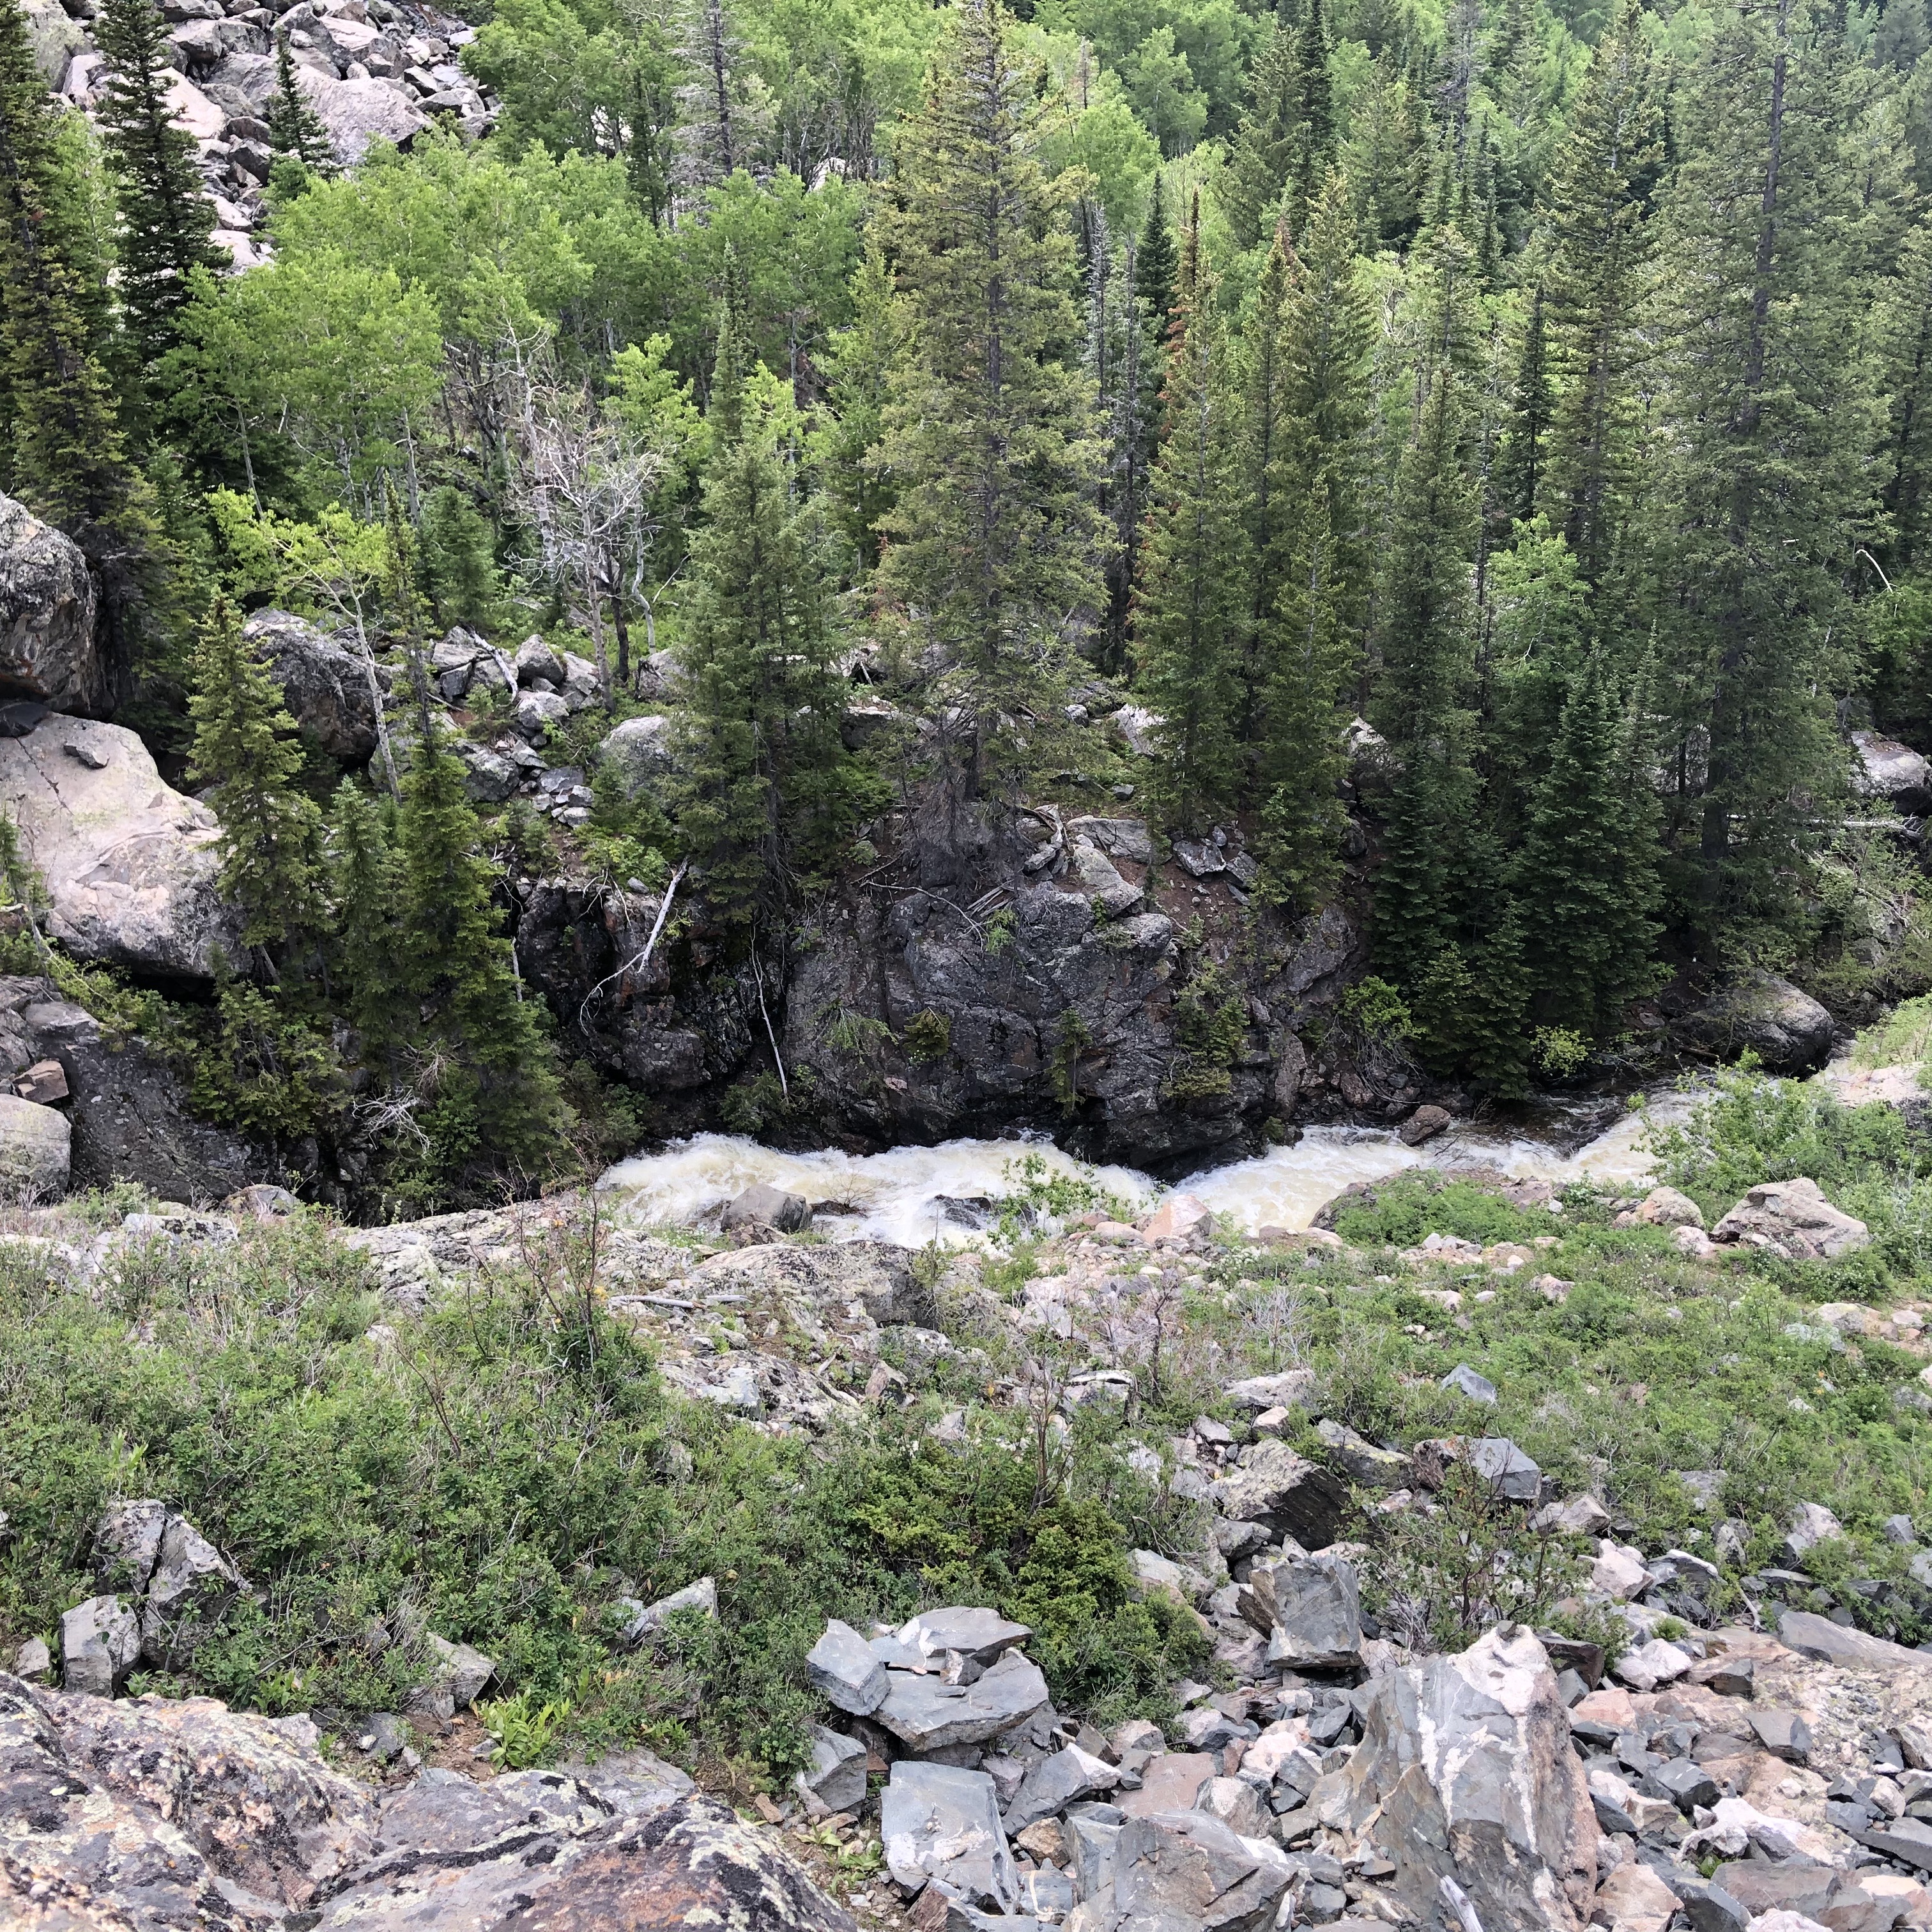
(901, 1195)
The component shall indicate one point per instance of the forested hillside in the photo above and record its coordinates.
(1461, 465)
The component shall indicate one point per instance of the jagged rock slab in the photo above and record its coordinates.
(47, 649)
(939, 1821)
(841, 1667)
(1292, 1495)
(925, 1713)
(1813, 1635)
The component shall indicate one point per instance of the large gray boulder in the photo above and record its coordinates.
(639, 752)
(358, 113)
(1465, 1771)
(47, 603)
(130, 865)
(182, 1585)
(1793, 1219)
(926, 1713)
(1885, 769)
(843, 1669)
(325, 687)
(1290, 1495)
(1186, 1869)
(36, 1150)
(942, 1822)
(1309, 1608)
(100, 1643)
(1761, 1014)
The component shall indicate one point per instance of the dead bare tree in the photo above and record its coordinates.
(587, 487)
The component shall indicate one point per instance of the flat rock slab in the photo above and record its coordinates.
(1813, 1635)
(925, 1713)
(983, 1635)
(1171, 1782)
(939, 1821)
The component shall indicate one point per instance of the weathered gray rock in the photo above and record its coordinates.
(1666, 1207)
(456, 1677)
(983, 1635)
(1465, 1771)
(1187, 1869)
(1360, 1459)
(1056, 1781)
(762, 1205)
(130, 865)
(1465, 1382)
(940, 1822)
(33, 1662)
(1788, 1030)
(1793, 1219)
(488, 777)
(1811, 1524)
(538, 713)
(188, 1594)
(1289, 1389)
(925, 1713)
(639, 751)
(47, 646)
(1292, 1495)
(1813, 1635)
(841, 1667)
(127, 1542)
(643, 1621)
(100, 1643)
(836, 1776)
(1886, 770)
(1310, 1607)
(36, 1150)
(324, 686)
(1509, 1474)
(358, 113)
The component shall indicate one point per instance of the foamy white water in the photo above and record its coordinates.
(895, 1196)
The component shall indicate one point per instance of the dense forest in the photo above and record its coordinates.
(1550, 389)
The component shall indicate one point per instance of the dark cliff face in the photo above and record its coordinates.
(1013, 970)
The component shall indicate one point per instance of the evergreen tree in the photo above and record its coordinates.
(1605, 175)
(483, 1069)
(1388, 154)
(1905, 346)
(456, 561)
(65, 454)
(296, 130)
(1287, 138)
(365, 892)
(1308, 634)
(1156, 262)
(1191, 614)
(246, 751)
(1772, 427)
(858, 365)
(1587, 871)
(767, 795)
(1525, 447)
(992, 436)
(166, 218)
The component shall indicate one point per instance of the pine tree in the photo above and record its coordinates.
(456, 561)
(1771, 425)
(296, 130)
(1587, 871)
(995, 541)
(1157, 263)
(166, 219)
(365, 893)
(247, 752)
(765, 799)
(65, 454)
(1308, 633)
(486, 1071)
(1525, 447)
(1287, 138)
(1905, 346)
(857, 365)
(1598, 333)
(1388, 154)
(1263, 154)
(1191, 614)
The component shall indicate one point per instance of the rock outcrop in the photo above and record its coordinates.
(324, 686)
(153, 1814)
(48, 649)
(1793, 1219)
(130, 865)
(1787, 1030)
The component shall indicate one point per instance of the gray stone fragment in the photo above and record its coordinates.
(100, 1643)
(1090, 1845)
(1055, 1782)
(836, 1776)
(1508, 1471)
(33, 1662)
(1710, 1908)
(645, 1620)
(1686, 1784)
(1783, 1733)
(938, 1822)
(188, 1595)
(762, 1204)
(981, 1634)
(1291, 1494)
(925, 1713)
(1813, 1636)
(1185, 1868)
(127, 1543)
(1360, 1459)
(1477, 1388)
(842, 1669)
(456, 1676)
(1317, 1620)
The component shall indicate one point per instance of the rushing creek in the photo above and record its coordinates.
(902, 1195)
